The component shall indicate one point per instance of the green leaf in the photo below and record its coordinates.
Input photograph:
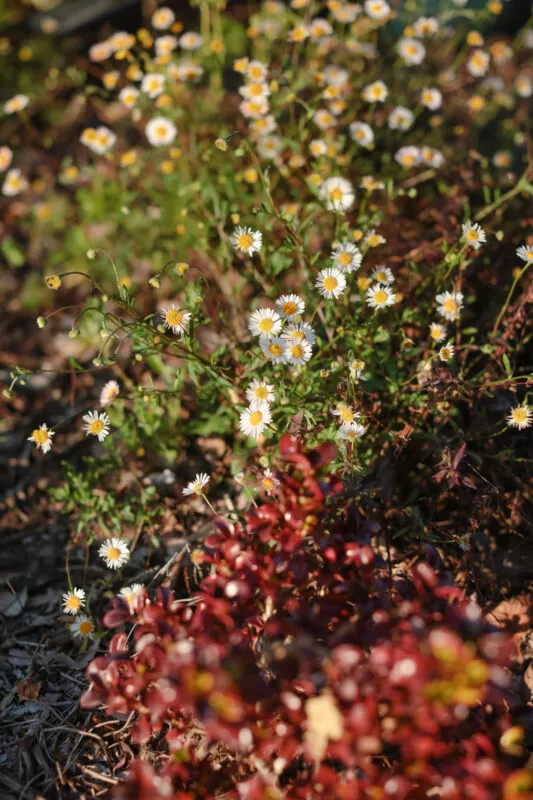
(507, 365)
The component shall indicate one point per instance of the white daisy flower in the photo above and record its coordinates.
(337, 194)
(268, 481)
(335, 76)
(375, 92)
(449, 304)
(191, 41)
(478, 63)
(298, 352)
(165, 45)
(446, 352)
(318, 147)
(186, 71)
(82, 628)
(110, 392)
(347, 415)
(298, 333)
(377, 9)
(17, 103)
(352, 433)
(115, 552)
(431, 98)
(160, 131)
(256, 71)
(129, 592)
(14, 183)
(73, 601)
(383, 275)
(290, 305)
(254, 420)
(380, 296)
(525, 253)
(319, 28)
(260, 392)
(356, 369)
(369, 183)
(197, 485)
(96, 424)
(6, 157)
(330, 282)
(323, 119)
(346, 256)
(269, 146)
(408, 156)
(128, 96)
(42, 438)
(411, 50)
(99, 140)
(265, 322)
(175, 319)
(163, 18)
(437, 332)
(523, 86)
(255, 90)
(274, 348)
(362, 133)
(401, 119)
(520, 417)
(502, 159)
(247, 240)
(474, 235)
(425, 26)
(373, 239)
(432, 157)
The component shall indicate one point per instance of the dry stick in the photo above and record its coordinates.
(509, 296)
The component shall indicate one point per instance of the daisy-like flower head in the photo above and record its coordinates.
(446, 352)
(128, 96)
(265, 322)
(187, 71)
(346, 256)
(197, 485)
(99, 140)
(298, 352)
(268, 481)
(352, 432)
(256, 71)
(362, 133)
(298, 33)
(163, 18)
(432, 156)
(377, 9)
(73, 601)
(191, 41)
(14, 183)
(247, 240)
(335, 76)
(373, 239)
(260, 392)
(42, 438)
(478, 63)
(411, 50)
(319, 28)
(383, 275)
(290, 306)
(17, 103)
(380, 296)
(375, 92)
(110, 391)
(523, 86)
(525, 252)
(356, 369)
(369, 183)
(254, 419)
(82, 628)
(299, 333)
(6, 156)
(96, 424)
(425, 26)
(437, 332)
(53, 282)
(431, 98)
(331, 282)
(520, 417)
(408, 156)
(401, 119)
(269, 146)
(474, 235)
(502, 159)
(165, 45)
(153, 84)
(160, 131)
(318, 147)
(100, 51)
(274, 348)
(449, 304)
(115, 552)
(175, 319)
(346, 414)
(337, 194)
(255, 90)
(323, 119)
(130, 592)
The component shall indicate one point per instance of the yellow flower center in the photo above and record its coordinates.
(436, 333)
(290, 308)
(471, 235)
(410, 49)
(255, 89)
(375, 92)
(40, 436)
(85, 627)
(297, 351)
(245, 241)
(450, 305)
(330, 283)
(298, 34)
(266, 325)
(275, 350)
(445, 353)
(529, 254)
(520, 415)
(346, 415)
(113, 553)
(256, 417)
(380, 276)
(373, 240)
(345, 259)
(336, 195)
(261, 393)
(267, 484)
(73, 602)
(380, 297)
(174, 317)
(96, 427)
(256, 73)
(408, 160)
(359, 134)
(161, 131)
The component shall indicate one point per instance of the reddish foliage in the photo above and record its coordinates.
(297, 605)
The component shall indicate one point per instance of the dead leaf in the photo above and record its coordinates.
(514, 617)
(324, 724)
(28, 689)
